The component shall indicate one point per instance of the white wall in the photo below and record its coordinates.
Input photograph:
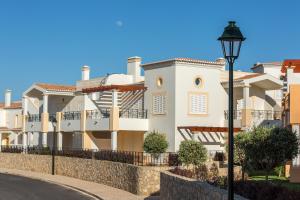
(217, 100)
(162, 123)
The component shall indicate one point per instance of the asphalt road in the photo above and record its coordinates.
(21, 188)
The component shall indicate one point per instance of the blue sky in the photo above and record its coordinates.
(49, 40)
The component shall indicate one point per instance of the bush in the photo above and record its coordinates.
(270, 148)
(264, 191)
(155, 143)
(192, 153)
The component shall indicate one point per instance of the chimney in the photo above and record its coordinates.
(7, 98)
(222, 61)
(134, 67)
(85, 73)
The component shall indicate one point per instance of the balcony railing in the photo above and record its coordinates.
(34, 118)
(134, 113)
(52, 117)
(266, 114)
(256, 114)
(237, 114)
(98, 114)
(76, 115)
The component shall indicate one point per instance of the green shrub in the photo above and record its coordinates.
(270, 148)
(155, 143)
(192, 153)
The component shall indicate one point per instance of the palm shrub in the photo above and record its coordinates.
(155, 143)
(192, 153)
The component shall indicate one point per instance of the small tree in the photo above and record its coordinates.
(270, 148)
(241, 140)
(155, 143)
(192, 153)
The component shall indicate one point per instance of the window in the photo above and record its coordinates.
(159, 104)
(198, 104)
(198, 82)
(159, 82)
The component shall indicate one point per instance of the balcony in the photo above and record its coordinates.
(97, 119)
(133, 120)
(133, 114)
(91, 120)
(34, 122)
(71, 121)
(244, 118)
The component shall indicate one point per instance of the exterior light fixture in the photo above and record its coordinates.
(231, 41)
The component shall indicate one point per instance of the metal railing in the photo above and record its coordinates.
(266, 114)
(256, 114)
(98, 114)
(75, 115)
(133, 113)
(52, 117)
(237, 114)
(129, 157)
(34, 118)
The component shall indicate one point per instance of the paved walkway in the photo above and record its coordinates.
(97, 190)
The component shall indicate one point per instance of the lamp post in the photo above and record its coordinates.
(54, 124)
(231, 41)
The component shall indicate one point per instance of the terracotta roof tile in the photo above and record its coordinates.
(4, 129)
(14, 105)
(54, 87)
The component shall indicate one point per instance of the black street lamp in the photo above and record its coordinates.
(54, 124)
(231, 41)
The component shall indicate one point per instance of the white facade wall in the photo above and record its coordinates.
(162, 123)
(273, 97)
(217, 101)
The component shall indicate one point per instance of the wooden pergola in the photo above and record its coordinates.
(194, 129)
(120, 88)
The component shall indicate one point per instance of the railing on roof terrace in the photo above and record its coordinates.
(75, 115)
(266, 114)
(237, 114)
(133, 113)
(34, 118)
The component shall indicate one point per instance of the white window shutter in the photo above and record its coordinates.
(159, 104)
(198, 104)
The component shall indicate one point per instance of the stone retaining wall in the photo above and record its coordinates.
(174, 187)
(134, 179)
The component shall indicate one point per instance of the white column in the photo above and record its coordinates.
(45, 110)
(114, 98)
(25, 140)
(16, 139)
(59, 138)
(0, 141)
(44, 139)
(45, 103)
(25, 104)
(246, 96)
(114, 140)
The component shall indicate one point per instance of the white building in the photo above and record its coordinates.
(10, 121)
(181, 98)
(291, 108)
